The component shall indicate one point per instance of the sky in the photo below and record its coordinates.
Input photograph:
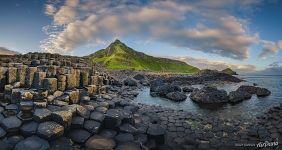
(244, 35)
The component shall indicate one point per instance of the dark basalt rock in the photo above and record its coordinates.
(248, 88)
(62, 117)
(130, 82)
(157, 133)
(29, 128)
(154, 84)
(92, 126)
(188, 89)
(33, 143)
(113, 118)
(139, 77)
(176, 96)
(97, 116)
(238, 96)
(50, 130)
(129, 146)
(127, 128)
(77, 122)
(100, 143)
(165, 89)
(124, 137)
(108, 133)
(79, 135)
(41, 115)
(62, 143)
(11, 124)
(209, 95)
(262, 92)
(2, 132)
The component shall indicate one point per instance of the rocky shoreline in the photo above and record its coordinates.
(56, 102)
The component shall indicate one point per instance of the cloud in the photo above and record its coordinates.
(216, 65)
(198, 25)
(269, 48)
(6, 51)
(274, 68)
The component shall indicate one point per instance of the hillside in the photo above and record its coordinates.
(5, 51)
(229, 71)
(118, 56)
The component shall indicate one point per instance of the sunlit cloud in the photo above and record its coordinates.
(216, 30)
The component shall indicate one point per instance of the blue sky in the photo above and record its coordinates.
(244, 35)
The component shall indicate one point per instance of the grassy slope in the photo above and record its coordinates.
(119, 56)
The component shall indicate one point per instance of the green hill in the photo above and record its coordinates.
(118, 56)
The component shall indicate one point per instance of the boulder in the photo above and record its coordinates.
(155, 84)
(50, 130)
(100, 143)
(176, 96)
(108, 133)
(238, 96)
(165, 89)
(188, 89)
(209, 95)
(139, 77)
(127, 128)
(248, 88)
(130, 82)
(262, 92)
(33, 143)
(73, 96)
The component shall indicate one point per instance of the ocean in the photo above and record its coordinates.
(247, 109)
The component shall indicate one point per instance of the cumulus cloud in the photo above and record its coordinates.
(216, 65)
(6, 51)
(269, 48)
(198, 25)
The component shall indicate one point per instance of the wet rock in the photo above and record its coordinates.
(129, 146)
(238, 96)
(97, 116)
(155, 84)
(79, 135)
(62, 117)
(188, 89)
(156, 132)
(77, 122)
(92, 126)
(41, 115)
(130, 82)
(262, 92)
(165, 89)
(176, 96)
(100, 143)
(50, 130)
(4, 145)
(33, 143)
(11, 124)
(29, 129)
(209, 95)
(248, 88)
